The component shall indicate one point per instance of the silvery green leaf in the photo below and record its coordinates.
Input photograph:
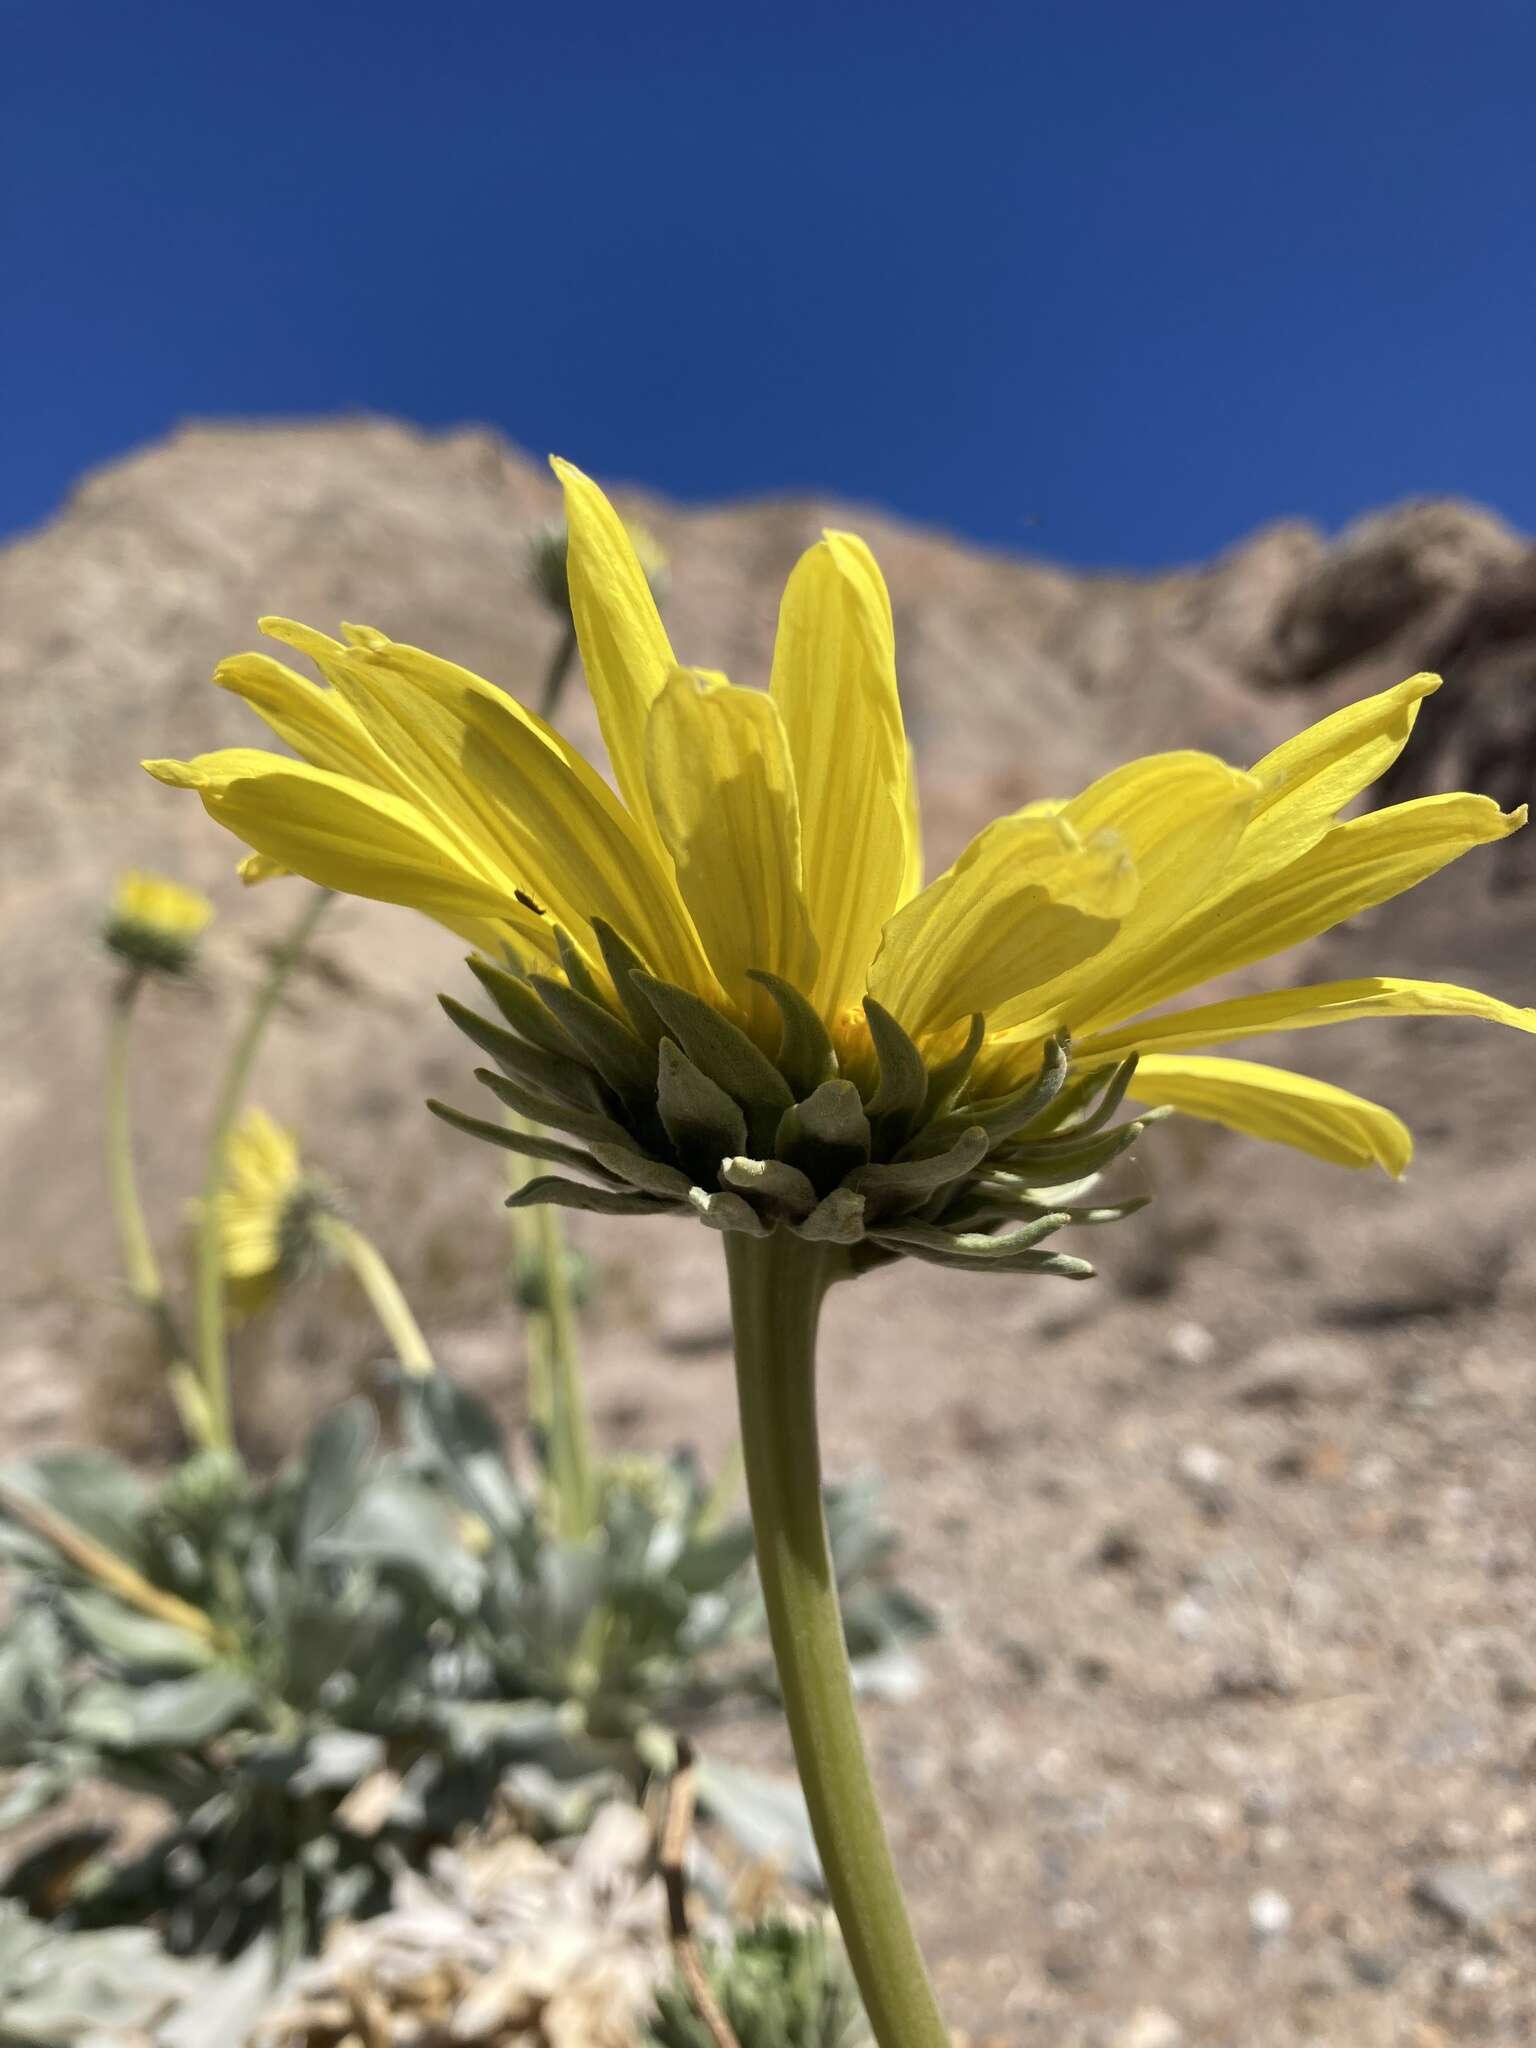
(35, 1659)
(712, 1561)
(766, 1815)
(501, 1727)
(805, 1057)
(175, 1713)
(29, 1792)
(94, 1491)
(399, 1523)
(575, 1194)
(460, 1435)
(564, 1805)
(228, 2003)
(333, 1464)
(335, 1759)
(128, 1637)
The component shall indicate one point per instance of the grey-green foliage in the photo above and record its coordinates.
(116, 1985)
(396, 1633)
(780, 1985)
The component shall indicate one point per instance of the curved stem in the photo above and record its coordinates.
(212, 1333)
(384, 1294)
(777, 1284)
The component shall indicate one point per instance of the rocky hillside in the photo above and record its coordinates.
(1234, 1731)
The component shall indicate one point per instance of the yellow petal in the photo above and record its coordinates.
(723, 794)
(316, 722)
(339, 833)
(624, 646)
(1306, 782)
(1353, 866)
(1026, 900)
(520, 804)
(834, 683)
(1298, 1009)
(1269, 1102)
(256, 867)
(1180, 816)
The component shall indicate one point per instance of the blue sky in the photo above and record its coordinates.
(1112, 282)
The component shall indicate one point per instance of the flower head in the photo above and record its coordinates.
(154, 924)
(548, 551)
(725, 985)
(269, 1209)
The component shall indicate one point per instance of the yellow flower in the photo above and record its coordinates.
(267, 1209)
(731, 985)
(154, 924)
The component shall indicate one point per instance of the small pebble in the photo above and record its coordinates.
(1189, 1344)
(1470, 1896)
(1269, 1915)
(1150, 2028)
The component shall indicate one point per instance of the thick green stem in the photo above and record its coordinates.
(777, 1284)
(384, 1294)
(212, 1331)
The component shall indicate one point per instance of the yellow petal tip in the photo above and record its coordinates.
(175, 774)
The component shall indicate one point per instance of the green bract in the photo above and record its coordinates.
(663, 1105)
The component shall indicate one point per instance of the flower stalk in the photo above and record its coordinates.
(383, 1290)
(777, 1285)
(141, 1266)
(212, 1307)
(569, 1441)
